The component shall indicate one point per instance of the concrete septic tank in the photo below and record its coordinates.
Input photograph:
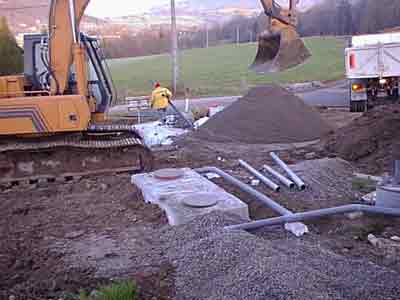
(184, 195)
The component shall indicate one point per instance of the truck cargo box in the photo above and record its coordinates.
(373, 39)
(377, 60)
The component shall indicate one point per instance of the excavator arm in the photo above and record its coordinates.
(64, 47)
(273, 10)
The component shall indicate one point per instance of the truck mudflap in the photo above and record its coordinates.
(358, 96)
(358, 90)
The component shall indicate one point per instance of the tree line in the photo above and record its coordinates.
(345, 17)
(340, 17)
(11, 59)
(156, 41)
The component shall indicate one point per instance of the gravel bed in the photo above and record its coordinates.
(212, 263)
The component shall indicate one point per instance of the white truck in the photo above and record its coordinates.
(373, 69)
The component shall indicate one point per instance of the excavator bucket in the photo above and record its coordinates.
(279, 51)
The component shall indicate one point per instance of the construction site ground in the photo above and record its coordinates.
(60, 238)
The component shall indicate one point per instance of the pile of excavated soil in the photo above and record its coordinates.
(372, 141)
(266, 115)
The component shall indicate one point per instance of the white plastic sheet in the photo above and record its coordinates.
(157, 134)
(201, 122)
(297, 228)
(170, 195)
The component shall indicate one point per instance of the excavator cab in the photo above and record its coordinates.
(280, 46)
(38, 73)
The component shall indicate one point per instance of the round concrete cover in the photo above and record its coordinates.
(169, 174)
(201, 200)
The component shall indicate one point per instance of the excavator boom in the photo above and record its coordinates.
(274, 10)
(64, 19)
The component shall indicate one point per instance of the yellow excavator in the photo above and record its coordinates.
(52, 118)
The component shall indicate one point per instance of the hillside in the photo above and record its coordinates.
(25, 15)
(217, 4)
(350, 17)
(30, 15)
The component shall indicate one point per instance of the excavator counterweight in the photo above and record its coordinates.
(280, 46)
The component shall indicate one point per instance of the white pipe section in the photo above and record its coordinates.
(187, 105)
(248, 189)
(300, 184)
(265, 180)
(257, 195)
(288, 183)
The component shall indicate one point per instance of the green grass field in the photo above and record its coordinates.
(223, 70)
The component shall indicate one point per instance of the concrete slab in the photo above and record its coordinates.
(171, 196)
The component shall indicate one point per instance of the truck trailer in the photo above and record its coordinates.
(373, 69)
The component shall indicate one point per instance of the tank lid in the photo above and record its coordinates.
(169, 174)
(201, 200)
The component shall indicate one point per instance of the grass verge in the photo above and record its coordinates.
(126, 290)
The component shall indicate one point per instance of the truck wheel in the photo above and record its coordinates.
(358, 106)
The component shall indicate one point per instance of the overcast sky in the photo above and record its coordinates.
(107, 8)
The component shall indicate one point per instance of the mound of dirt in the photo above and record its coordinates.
(266, 115)
(372, 140)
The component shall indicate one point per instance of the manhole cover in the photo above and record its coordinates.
(201, 200)
(169, 174)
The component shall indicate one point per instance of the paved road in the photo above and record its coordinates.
(335, 95)
(207, 102)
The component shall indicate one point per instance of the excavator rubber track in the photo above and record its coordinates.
(103, 149)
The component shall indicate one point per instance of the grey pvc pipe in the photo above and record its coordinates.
(272, 185)
(315, 214)
(189, 124)
(248, 189)
(288, 183)
(300, 184)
